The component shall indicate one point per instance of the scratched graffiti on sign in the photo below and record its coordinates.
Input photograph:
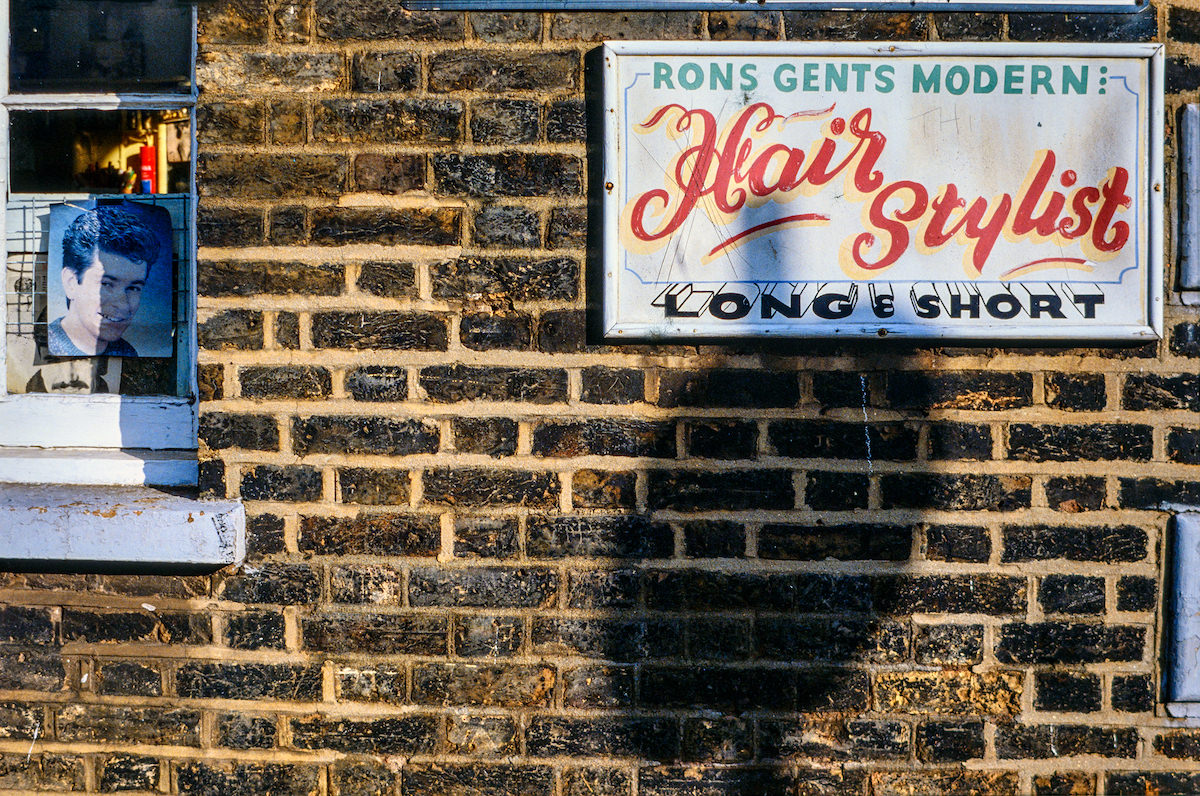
(1012, 193)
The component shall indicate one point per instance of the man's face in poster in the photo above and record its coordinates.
(103, 299)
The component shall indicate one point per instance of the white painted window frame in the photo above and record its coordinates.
(100, 438)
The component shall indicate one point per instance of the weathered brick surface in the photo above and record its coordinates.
(491, 553)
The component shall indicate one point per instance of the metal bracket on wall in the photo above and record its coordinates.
(1182, 656)
(1189, 222)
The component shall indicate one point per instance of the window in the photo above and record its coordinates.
(96, 120)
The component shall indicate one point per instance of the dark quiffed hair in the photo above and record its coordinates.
(109, 229)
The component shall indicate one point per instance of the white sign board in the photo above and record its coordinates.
(972, 192)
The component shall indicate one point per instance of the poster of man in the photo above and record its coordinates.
(109, 280)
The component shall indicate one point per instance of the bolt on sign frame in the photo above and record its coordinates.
(964, 191)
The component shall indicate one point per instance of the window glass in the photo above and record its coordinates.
(99, 46)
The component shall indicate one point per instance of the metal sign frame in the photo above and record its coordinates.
(684, 308)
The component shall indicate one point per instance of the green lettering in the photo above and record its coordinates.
(922, 83)
(1014, 79)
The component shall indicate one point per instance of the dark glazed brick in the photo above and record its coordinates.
(744, 25)
(596, 26)
(478, 487)
(948, 644)
(228, 226)
(250, 431)
(93, 627)
(604, 589)
(20, 722)
(500, 71)
(1075, 391)
(485, 537)
(234, 22)
(231, 329)
(264, 534)
(286, 381)
(1150, 493)
(821, 639)
(286, 226)
(390, 634)
(283, 584)
(504, 121)
(1074, 494)
(728, 689)
(1137, 593)
(367, 435)
(835, 491)
(256, 176)
(26, 625)
(1160, 783)
(598, 537)
(354, 778)
(1063, 740)
(609, 737)
(492, 436)
(360, 19)
(256, 277)
(1071, 594)
(568, 228)
(959, 441)
(698, 589)
(483, 636)
(505, 27)
(1066, 692)
(1183, 445)
(388, 279)
(957, 543)
(519, 278)
(248, 681)
(392, 121)
(511, 174)
(1141, 26)
(825, 439)
(1066, 642)
(728, 490)
(714, 539)
(737, 780)
(741, 389)
(566, 122)
(377, 383)
(239, 731)
(211, 481)
(1064, 783)
(977, 390)
(287, 330)
(836, 389)
(408, 735)
(125, 678)
(721, 439)
(421, 226)
(287, 483)
(409, 331)
(839, 26)
(972, 594)
(491, 332)
(599, 489)
(1097, 442)
(562, 332)
(1132, 693)
(1149, 391)
(126, 772)
(490, 685)
(385, 71)
(1178, 745)
(254, 630)
(950, 741)
(501, 226)
(1185, 339)
(210, 382)
(477, 779)
(965, 26)
(482, 736)
(956, 492)
(247, 780)
(605, 437)
(285, 118)
(366, 584)
(601, 385)
(373, 487)
(453, 383)
(718, 740)
(237, 122)
(840, 542)
(381, 534)
(483, 587)
(1086, 543)
(389, 174)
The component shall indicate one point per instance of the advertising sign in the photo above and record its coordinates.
(954, 191)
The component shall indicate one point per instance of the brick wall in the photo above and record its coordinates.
(490, 556)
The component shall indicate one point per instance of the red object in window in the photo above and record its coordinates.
(148, 173)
